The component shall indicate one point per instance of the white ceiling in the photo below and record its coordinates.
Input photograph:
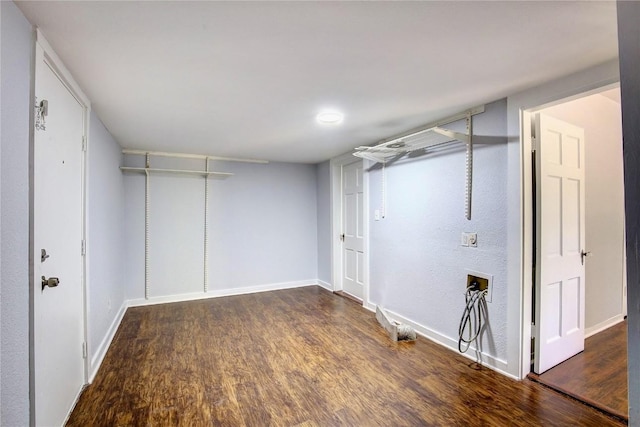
(246, 79)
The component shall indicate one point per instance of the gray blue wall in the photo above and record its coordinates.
(418, 268)
(262, 228)
(15, 88)
(323, 186)
(105, 233)
(263, 225)
(629, 45)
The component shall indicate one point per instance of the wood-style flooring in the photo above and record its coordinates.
(300, 357)
(598, 375)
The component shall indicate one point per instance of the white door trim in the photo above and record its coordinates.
(66, 78)
(335, 187)
(526, 115)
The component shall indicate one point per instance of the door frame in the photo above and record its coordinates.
(526, 117)
(335, 166)
(66, 78)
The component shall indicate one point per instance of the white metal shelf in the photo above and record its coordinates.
(130, 151)
(425, 138)
(178, 171)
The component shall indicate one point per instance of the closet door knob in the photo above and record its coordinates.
(584, 254)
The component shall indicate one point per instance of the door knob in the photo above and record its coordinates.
(51, 282)
(584, 254)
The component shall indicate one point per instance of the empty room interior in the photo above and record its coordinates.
(319, 213)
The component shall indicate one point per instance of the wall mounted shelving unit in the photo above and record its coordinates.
(147, 170)
(425, 138)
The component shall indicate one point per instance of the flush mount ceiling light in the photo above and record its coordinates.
(330, 117)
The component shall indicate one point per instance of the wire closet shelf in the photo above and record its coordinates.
(425, 138)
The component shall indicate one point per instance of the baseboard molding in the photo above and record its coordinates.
(489, 361)
(603, 325)
(101, 351)
(221, 293)
(323, 284)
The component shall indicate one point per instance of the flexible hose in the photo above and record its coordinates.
(471, 323)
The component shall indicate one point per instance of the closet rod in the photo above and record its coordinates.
(190, 156)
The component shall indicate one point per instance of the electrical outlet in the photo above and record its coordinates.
(483, 280)
(473, 239)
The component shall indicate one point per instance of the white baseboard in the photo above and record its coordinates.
(489, 361)
(603, 325)
(220, 293)
(369, 306)
(323, 284)
(101, 351)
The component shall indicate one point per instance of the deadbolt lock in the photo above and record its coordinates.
(51, 282)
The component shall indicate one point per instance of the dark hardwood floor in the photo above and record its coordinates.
(300, 357)
(598, 375)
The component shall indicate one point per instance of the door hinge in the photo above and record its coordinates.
(84, 143)
(533, 143)
(83, 247)
(84, 350)
(533, 329)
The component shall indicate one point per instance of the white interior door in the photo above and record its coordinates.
(560, 280)
(58, 311)
(353, 229)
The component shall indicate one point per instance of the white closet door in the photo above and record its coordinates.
(560, 287)
(353, 229)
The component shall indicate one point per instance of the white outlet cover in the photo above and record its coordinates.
(464, 240)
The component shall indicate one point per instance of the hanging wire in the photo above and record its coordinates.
(473, 321)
